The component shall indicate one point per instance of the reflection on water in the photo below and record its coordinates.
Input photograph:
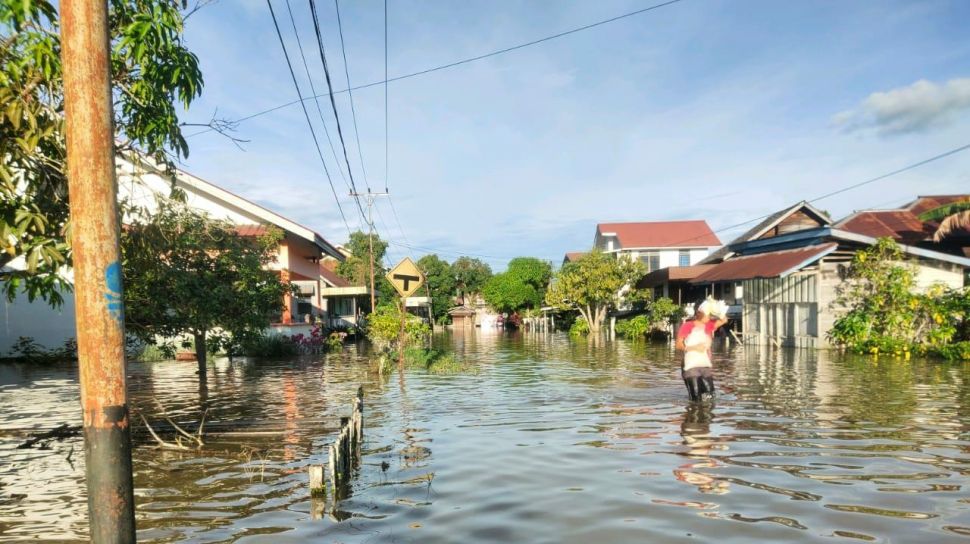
(553, 440)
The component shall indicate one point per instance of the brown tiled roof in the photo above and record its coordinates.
(251, 230)
(764, 225)
(662, 234)
(332, 278)
(673, 273)
(764, 265)
(573, 256)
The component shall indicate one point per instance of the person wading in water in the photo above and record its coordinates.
(694, 338)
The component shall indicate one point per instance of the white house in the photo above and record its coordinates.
(659, 244)
(300, 260)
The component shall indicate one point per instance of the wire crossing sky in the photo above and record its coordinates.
(717, 110)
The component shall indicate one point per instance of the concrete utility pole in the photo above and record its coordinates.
(97, 269)
(369, 196)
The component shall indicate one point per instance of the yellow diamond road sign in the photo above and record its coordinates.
(406, 277)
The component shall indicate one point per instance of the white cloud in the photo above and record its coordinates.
(913, 108)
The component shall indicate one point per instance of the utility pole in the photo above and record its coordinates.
(369, 196)
(97, 269)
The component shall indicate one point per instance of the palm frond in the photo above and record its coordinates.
(942, 212)
(952, 223)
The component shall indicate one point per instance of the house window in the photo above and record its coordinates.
(652, 260)
(683, 258)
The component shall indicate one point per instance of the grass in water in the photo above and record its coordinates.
(434, 361)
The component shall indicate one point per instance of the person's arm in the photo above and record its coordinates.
(681, 335)
(720, 323)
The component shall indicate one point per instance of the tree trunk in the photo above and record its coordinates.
(595, 321)
(200, 352)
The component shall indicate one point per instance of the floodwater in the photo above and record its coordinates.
(550, 440)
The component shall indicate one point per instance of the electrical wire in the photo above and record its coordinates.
(467, 60)
(306, 114)
(333, 104)
(353, 110)
(313, 89)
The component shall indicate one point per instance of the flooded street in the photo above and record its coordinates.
(550, 440)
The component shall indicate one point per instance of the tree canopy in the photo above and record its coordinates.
(441, 284)
(186, 273)
(356, 268)
(507, 293)
(595, 284)
(151, 71)
(470, 276)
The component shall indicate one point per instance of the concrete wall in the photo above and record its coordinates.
(37, 320)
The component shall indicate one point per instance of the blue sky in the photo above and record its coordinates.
(705, 109)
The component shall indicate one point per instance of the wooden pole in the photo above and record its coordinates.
(97, 269)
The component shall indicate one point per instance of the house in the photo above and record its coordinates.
(300, 252)
(659, 244)
(906, 226)
(572, 256)
(787, 270)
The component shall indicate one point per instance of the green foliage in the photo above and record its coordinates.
(662, 312)
(507, 293)
(441, 283)
(27, 350)
(434, 361)
(470, 276)
(151, 70)
(580, 327)
(633, 328)
(356, 268)
(884, 313)
(595, 284)
(186, 273)
(521, 287)
(384, 328)
(269, 345)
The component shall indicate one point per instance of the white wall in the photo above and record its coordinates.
(929, 274)
(48, 327)
(669, 257)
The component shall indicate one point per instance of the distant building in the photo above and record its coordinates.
(300, 259)
(659, 244)
(784, 273)
(572, 256)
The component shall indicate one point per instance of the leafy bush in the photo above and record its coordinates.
(27, 350)
(959, 351)
(580, 327)
(270, 345)
(886, 314)
(384, 328)
(633, 328)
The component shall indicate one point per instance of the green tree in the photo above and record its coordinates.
(470, 276)
(595, 284)
(441, 284)
(531, 271)
(356, 268)
(151, 71)
(507, 292)
(188, 274)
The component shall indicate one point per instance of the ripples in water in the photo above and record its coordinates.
(553, 440)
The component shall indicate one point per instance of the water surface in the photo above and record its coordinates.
(550, 440)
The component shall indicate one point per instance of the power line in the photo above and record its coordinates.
(386, 167)
(313, 89)
(353, 110)
(467, 60)
(333, 102)
(306, 114)
(847, 188)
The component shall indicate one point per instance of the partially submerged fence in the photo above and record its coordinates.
(344, 456)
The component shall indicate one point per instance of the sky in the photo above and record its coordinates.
(704, 109)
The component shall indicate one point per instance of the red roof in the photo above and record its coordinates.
(251, 230)
(661, 234)
(574, 256)
(332, 278)
(764, 265)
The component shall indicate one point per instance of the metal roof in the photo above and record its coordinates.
(765, 265)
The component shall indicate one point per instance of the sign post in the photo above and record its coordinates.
(406, 278)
